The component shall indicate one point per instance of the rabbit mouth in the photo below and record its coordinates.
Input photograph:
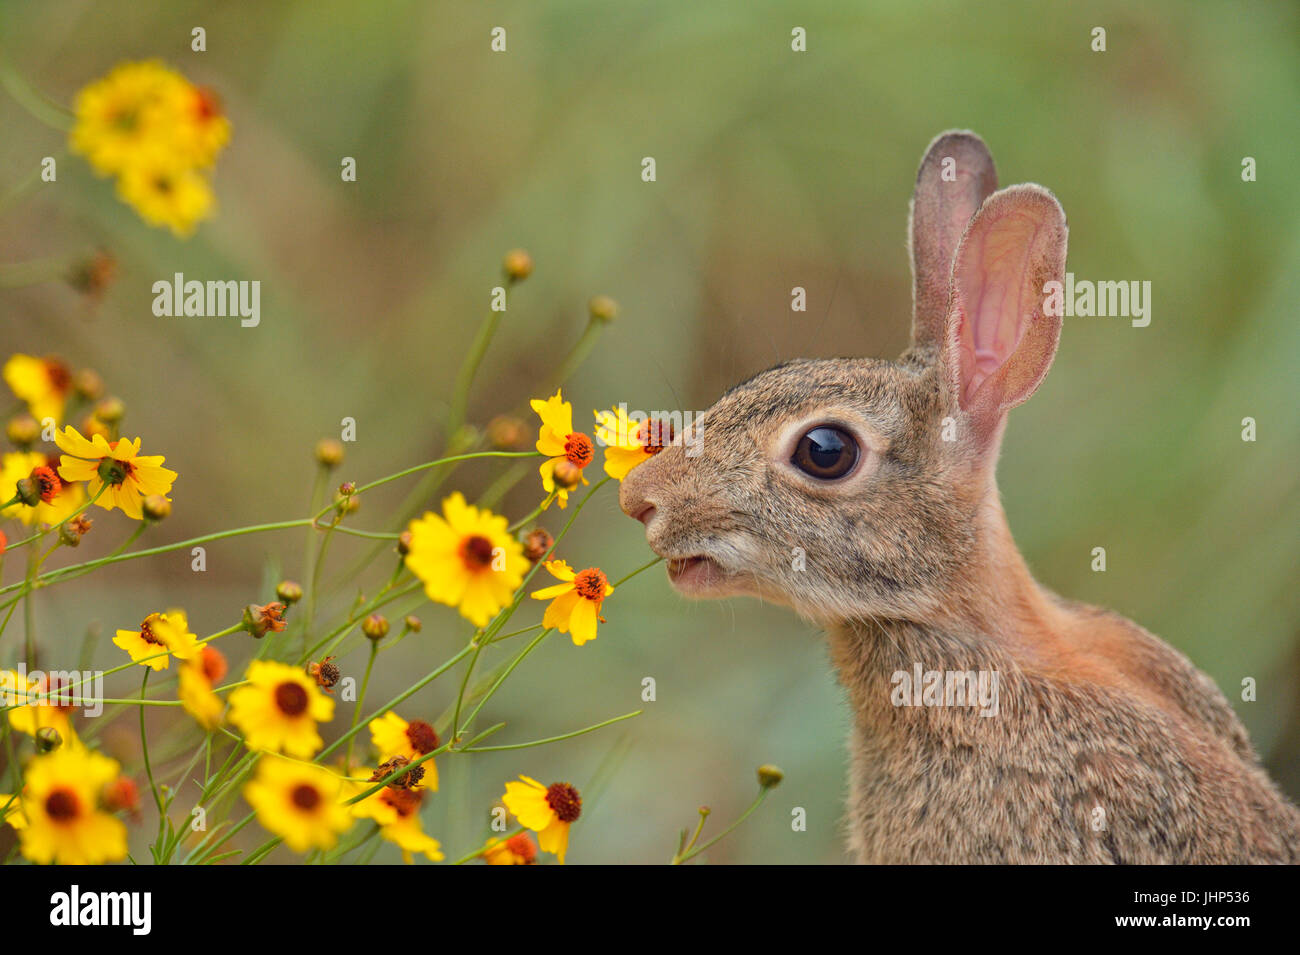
(695, 574)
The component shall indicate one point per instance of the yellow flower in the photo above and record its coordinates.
(43, 383)
(126, 476)
(396, 811)
(547, 810)
(160, 632)
(32, 712)
(393, 736)
(61, 804)
(299, 802)
(278, 709)
(467, 559)
(629, 443)
(197, 677)
(11, 811)
(65, 502)
(559, 442)
(203, 130)
(131, 112)
(575, 604)
(165, 193)
(519, 849)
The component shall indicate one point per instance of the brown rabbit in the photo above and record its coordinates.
(861, 493)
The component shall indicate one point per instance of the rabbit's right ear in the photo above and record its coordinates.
(956, 176)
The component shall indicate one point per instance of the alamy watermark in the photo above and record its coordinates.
(923, 687)
(64, 689)
(1085, 299)
(212, 299)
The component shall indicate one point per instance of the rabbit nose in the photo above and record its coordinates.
(645, 513)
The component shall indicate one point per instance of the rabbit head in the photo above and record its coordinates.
(854, 488)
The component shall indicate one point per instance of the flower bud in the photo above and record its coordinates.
(110, 410)
(122, 795)
(567, 475)
(507, 433)
(518, 265)
(412, 623)
(769, 776)
(88, 384)
(329, 452)
(93, 275)
(404, 543)
(22, 430)
(259, 621)
(375, 627)
(71, 532)
(537, 543)
(603, 308)
(289, 591)
(48, 739)
(156, 507)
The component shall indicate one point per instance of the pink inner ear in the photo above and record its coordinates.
(992, 287)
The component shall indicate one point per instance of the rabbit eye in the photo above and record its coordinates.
(825, 453)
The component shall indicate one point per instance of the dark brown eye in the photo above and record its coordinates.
(826, 453)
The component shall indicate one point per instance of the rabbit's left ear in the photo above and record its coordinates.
(999, 340)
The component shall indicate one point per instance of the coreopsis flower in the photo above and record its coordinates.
(278, 708)
(11, 811)
(57, 500)
(35, 705)
(130, 113)
(166, 193)
(43, 383)
(160, 637)
(126, 476)
(466, 558)
(575, 603)
(559, 442)
(397, 813)
(65, 822)
(394, 736)
(299, 802)
(159, 134)
(547, 810)
(519, 849)
(629, 443)
(198, 675)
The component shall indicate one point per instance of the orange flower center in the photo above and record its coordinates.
(564, 799)
(59, 375)
(147, 634)
(655, 436)
(523, 846)
(213, 663)
(579, 449)
(305, 797)
(47, 483)
(405, 801)
(207, 105)
(476, 553)
(423, 737)
(590, 584)
(62, 805)
(291, 698)
(114, 472)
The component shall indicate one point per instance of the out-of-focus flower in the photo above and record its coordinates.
(198, 675)
(394, 736)
(397, 813)
(519, 849)
(62, 503)
(43, 383)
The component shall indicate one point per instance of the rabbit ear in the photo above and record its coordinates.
(956, 176)
(999, 340)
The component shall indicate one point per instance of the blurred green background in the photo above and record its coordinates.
(775, 169)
